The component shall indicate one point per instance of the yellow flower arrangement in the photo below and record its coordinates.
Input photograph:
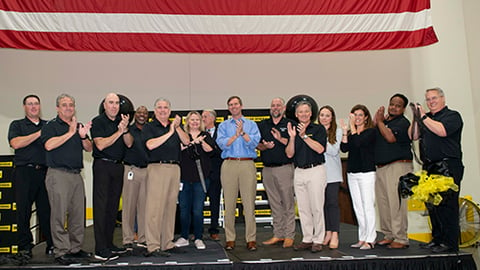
(429, 187)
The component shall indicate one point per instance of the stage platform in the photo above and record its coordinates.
(266, 257)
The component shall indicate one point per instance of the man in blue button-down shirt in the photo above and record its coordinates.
(238, 137)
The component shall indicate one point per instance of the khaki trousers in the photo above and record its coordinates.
(239, 175)
(133, 203)
(278, 182)
(391, 210)
(310, 193)
(163, 184)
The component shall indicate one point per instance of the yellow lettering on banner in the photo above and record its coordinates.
(259, 176)
(239, 200)
(14, 206)
(6, 185)
(258, 198)
(206, 213)
(0, 195)
(4, 249)
(6, 164)
(5, 228)
(257, 118)
(5, 206)
(263, 212)
(14, 227)
(1, 174)
(14, 249)
(258, 164)
(220, 119)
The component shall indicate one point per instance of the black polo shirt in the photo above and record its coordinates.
(137, 154)
(169, 150)
(103, 127)
(304, 155)
(33, 153)
(386, 152)
(69, 155)
(435, 148)
(361, 151)
(275, 156)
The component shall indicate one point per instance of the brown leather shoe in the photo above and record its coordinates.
(384, 242)
(303, 246)
(230, 245)
(288, 243)
(316, 248)
(252, 245)
(397, 245)
(215, 237)
(273, 241)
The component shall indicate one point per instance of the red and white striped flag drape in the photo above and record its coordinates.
(215, 26)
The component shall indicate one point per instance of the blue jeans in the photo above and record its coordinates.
(191, 200)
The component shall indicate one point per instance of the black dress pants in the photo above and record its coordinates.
(107, 189)
(29, 184)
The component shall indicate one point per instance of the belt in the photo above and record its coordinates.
(111, 160)
(401, 161)
(36, 166)
(239, 158)
(130, 164)
(273, 165)
(165, 162)
(68, 170)
(308, 166)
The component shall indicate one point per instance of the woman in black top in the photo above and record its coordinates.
(359, 142)
(192, 194)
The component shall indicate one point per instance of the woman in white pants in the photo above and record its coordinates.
(359, 142)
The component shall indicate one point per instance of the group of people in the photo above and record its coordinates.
(154, 164)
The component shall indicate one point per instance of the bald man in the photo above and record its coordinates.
(111, 137)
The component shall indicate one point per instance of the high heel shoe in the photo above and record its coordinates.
(333, 243)
(357, 245)
(328, 237)
(367, 246)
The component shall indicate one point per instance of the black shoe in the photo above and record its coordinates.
(65, 260)
(105, 255)
(176, 250)
(128, 247)
(157, 253)
(428, 245)
(118, 250)
(49, 250)
(81, 254)
(442, 248)
(142, 245)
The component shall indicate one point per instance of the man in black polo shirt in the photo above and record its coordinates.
(440, 146)
(162, 139)
(64, 139)
(134, 183)
(111, 137)
(393, 158)
(29, 175)
(307, 145)
(277, 174)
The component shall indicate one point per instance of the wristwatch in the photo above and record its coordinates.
(424, 117)
(304, 136)
(242, 133)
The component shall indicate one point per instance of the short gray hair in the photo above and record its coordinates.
(162, 99)
(62, 96)
(438, 89)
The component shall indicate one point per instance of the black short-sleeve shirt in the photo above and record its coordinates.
(361, 151)
(435, 148)
(386, 152)
(32, 153)
(103, 127)
(169, 150)
(69, 155)
(137, 154)
(276, 155)
(305, 155)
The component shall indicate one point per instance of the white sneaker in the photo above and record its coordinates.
(199, 244)
(181, 242)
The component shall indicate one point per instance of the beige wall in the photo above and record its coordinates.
(193, 81)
